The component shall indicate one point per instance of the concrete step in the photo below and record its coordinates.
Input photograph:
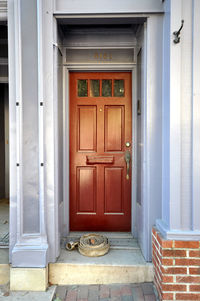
(4, 266)
(118, 266)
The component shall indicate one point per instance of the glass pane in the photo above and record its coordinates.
(82, 88)
(106, 87)
(94, 87)
(119, 87)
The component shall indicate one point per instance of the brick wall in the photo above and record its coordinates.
(176, 268)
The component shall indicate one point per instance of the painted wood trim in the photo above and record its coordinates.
(114, 6)
(196, 114)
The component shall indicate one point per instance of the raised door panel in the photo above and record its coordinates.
(87, 128)
(114, 128)
(113, 190)
(86, 190)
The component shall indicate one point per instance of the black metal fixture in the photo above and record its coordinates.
(177, 33)
(138, 107)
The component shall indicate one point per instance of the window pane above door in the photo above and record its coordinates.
(118, 87)
(94, 87)
(106, 87)
(82, 88)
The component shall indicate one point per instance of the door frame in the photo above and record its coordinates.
(66, 174)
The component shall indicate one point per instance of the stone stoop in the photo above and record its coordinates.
(124, 263)
(4, 266)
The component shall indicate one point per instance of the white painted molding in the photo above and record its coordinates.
(30, 256)
(3, 80)
(3, 10)
(3, 61)
(195, 116)
(105, 7)
(30, 249)
(176, 234)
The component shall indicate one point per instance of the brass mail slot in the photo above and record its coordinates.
(99, 159)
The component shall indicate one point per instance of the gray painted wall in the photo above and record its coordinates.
(58, 111)
(104, 6)
(6, 124)
(30, 173)
(149, 132)
(2, 142)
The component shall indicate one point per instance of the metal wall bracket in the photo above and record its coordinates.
(138, 107)
(177, 33)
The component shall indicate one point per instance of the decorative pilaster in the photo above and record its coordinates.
(181, 141)
(28, 239)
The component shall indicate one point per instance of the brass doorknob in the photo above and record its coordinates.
(128, 144)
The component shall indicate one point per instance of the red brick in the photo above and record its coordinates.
(187, 279)
(153, 260)
(158, 254)
(167, 296)
(166, 261)
(164, 243)
(187, 262)
(71, 295)
(187, 244)
(174, 287)
(174, 270)
(159, 238)
(157, 245)
(173, 253)
(194, 253)
(194, 271)
(167, 279)
(126, 290)
(188, 297)
(154, 231)
(157, 259)
(167, 244)
(83, 292)
(104, 291)
(158, 273)
(115, 292)
(195, 288)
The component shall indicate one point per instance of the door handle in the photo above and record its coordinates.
(127, 158)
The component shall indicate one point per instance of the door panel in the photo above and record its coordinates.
(113, 190)
(86, 128)
(86, 189)
(114, 128)
(100, 125)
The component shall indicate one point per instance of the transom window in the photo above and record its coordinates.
(101, 88)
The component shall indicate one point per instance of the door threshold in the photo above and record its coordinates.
(106, 233)
(117, 240)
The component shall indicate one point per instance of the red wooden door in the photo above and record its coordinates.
(100, 127)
